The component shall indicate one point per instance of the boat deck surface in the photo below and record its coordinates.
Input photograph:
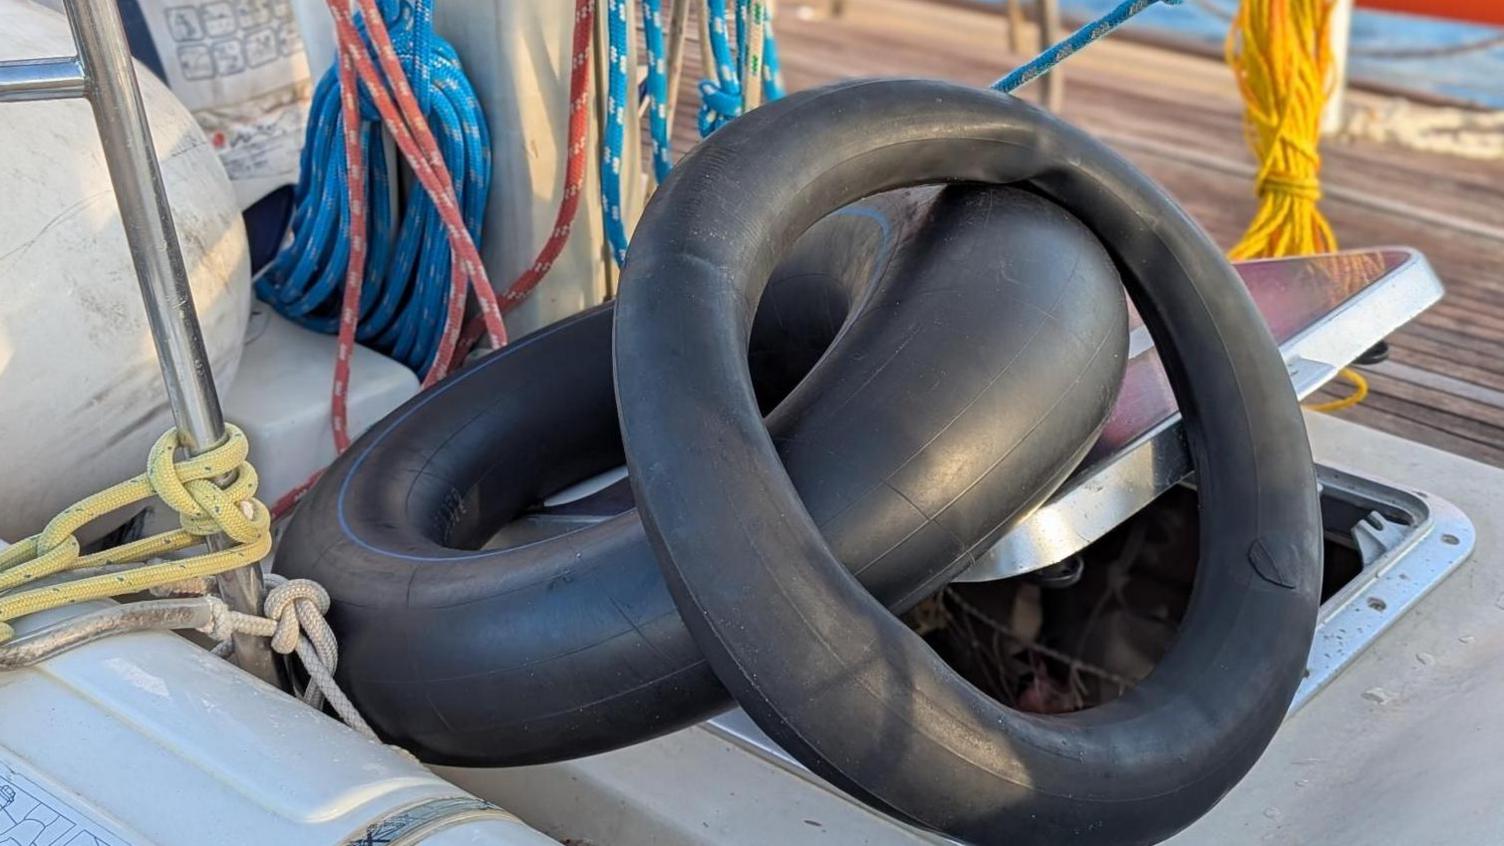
(1178, 117)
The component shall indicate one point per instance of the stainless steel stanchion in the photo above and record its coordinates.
(103, 74)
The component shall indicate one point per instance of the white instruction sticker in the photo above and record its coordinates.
(239, 66)
(31, 815)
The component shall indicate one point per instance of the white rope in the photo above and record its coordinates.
(294, 621)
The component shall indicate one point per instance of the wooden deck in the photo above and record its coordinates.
(1178, 117)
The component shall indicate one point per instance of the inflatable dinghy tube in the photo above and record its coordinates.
(814, 658)
(938, 407)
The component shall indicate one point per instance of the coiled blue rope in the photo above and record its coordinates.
(403, 301)
(1057, 53)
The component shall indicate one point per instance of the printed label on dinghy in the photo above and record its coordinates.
(31, 815)
(239, 66)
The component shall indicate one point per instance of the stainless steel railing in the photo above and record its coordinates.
(103, 74)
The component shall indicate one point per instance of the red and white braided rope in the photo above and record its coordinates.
(574, 178)
(400, 113)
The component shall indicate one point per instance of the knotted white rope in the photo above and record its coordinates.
(293, 619)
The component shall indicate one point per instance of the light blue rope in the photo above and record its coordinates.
(656, 92)
(1063, 50)
(406, 287)
(618, 51)
(721, 98)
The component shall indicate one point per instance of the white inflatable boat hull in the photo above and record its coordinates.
(83, 399)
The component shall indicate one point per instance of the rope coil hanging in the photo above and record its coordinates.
(1281, 56)
(391, 94)
(406, 267)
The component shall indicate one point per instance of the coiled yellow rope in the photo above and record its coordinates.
(1282, 60)
(204, 508)
(1281, 56)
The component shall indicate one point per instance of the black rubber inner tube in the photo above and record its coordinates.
(824, 669)
(571, 645)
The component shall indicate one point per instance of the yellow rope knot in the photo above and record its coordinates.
(189, 487)
(1276, 184)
